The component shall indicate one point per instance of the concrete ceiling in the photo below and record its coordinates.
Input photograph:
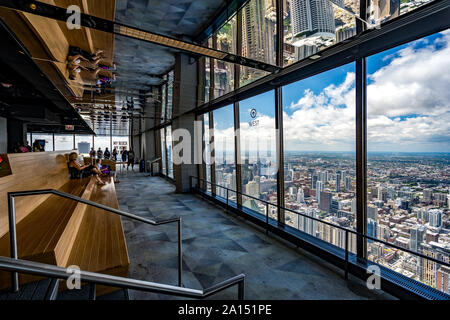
(141, 65)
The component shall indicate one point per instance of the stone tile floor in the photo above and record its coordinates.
(216, 246)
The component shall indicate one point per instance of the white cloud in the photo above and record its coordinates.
(408, 107)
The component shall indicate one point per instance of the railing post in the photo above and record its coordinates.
(346, 254)
(13, 241)
(267, 218)
(241, 290)
(227, 199)
(180, 256)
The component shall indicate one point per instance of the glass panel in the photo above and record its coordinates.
(169, 151)
(224, 151)
(223, 78)
(258, 37)
(312, 25)
(170, 95)
(259, 21)
(384, 10)
(48, 138)
(163, 151)
(120, 143)
(163, 102)
(408, 119)
(83, 138)
(207, 79)
(207, 150)
(258, 152)
(63, 142)
(319, 143)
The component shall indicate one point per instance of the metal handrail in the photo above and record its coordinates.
(13, 230)
(55, 272)
(327, 223)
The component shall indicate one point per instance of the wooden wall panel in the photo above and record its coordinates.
(44, 170)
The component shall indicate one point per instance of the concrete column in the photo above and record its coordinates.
(184, 99)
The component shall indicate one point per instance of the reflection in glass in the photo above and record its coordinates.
(163, 151)
(169, 151)
(48, 140)
(258, 36)
(312, 25)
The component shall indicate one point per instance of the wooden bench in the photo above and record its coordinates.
(64, 232)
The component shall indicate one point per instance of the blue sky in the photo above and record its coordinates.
(408, 103)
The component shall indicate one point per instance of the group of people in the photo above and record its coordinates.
(23, 148)
(127, 156)
(76, 170)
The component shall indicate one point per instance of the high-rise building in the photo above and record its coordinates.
(338, 181)
(325, 201)
(314, 179)
(382, 194)
(372, 229)
(417, 235)
(372, 212)
(300, 196)
(319, 188)
(443, 279)
(427, 195)
(435, 217)
(312, 17)
(348, 183)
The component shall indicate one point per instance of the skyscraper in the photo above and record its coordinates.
(348, 183)
(319, 188)
(435, 217)
(325, 201)
(312, 17)
(417, 234)
(300, 196)
(338, 181)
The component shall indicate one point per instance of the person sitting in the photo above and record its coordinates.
(76, 170)
(37, 147)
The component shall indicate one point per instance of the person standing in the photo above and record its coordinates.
(131, 159)
(99, 153)
(124, 155)
(115, 153)
(92, 153)
(107, 154)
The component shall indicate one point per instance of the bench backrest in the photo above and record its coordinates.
(31, 171)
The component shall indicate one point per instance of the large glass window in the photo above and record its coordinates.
(312, 25)
(163, 102)
(48, 138)
(224, 71)
(384, 10)
(319, 142)
(408, 119)
(63, 142)
(163, 151)
(170, 95)
(258, 152)
(207, 150)
(259, 21)
(225, 151)
(102, 142)
(169, 151)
